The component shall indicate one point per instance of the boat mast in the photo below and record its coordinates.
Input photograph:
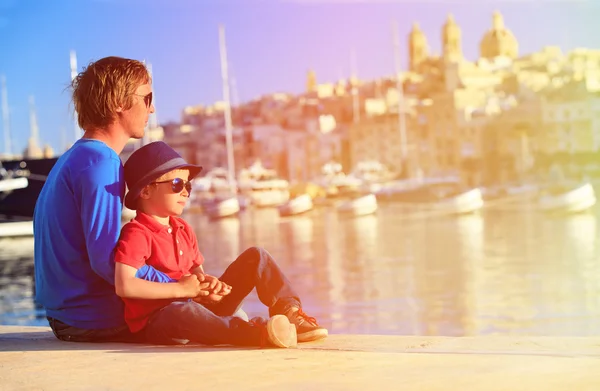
(153, 120)
(5, 118)
(228, 122)
(399, 86)
(34, 140)
(354, 84)
(73, 60)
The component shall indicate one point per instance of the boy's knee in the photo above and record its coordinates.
(254, 256)
(253, 252)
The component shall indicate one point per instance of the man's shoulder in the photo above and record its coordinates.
(89, 154)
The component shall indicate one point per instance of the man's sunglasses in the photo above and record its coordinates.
(178, 184)
(147, 99)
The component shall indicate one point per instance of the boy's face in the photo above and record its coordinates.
(168, 194)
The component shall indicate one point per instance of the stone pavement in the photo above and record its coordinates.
(32, 359)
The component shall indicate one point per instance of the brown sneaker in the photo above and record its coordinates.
(307, 328)
(277, 331)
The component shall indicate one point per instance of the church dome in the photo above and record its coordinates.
(498, 41)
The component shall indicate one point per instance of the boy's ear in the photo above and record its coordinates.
(146, 192)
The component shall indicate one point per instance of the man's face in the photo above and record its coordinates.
(135, 118)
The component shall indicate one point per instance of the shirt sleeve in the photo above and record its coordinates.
(133, 248)
(101, 190)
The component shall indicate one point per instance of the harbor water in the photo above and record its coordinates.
(497, 272)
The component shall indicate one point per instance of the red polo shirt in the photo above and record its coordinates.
(173, 251)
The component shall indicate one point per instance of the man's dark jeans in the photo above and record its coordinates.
(214, 324)
(64, 332)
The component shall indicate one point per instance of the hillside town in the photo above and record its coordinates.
(504, 117)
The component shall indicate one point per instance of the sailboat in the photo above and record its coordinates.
(360, 203)
(225, 205)
(442, 195)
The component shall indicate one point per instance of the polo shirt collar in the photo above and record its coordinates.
(154, 225)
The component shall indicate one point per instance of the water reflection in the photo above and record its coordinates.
(530, 279)
(491, 273)
(17, 285)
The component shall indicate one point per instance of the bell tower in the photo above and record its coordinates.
(418, 49)
(452, 40)
(311, 81)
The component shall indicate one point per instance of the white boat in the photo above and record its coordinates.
(220, 208)
(373, 174)
(445, 196)
(301, 204)
(16, 228)
(336, 183)
(467, 202)
(21, 226)
(215, 184)
(9, 184)
(568, 200)
(263, 187)
(360, 206)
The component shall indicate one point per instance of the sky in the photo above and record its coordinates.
(271, 45)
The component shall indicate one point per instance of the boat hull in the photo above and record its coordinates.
(576, 200)
(295, 206)
(222, 208)
(21, 202)
(361, 206)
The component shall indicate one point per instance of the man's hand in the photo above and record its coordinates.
(192, 287)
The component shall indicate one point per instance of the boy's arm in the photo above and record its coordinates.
(129, 286)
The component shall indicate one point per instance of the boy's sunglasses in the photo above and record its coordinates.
(147, 99)
(178, 184)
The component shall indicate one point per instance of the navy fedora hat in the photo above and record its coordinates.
(147, 164)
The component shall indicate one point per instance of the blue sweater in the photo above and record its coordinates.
(76, 223)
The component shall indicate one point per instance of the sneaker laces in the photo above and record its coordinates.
(260, 323)
(307, 318)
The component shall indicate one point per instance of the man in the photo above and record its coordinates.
(77, 218)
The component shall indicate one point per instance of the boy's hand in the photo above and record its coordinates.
(191, 286)
(214, 292)
(215, 287)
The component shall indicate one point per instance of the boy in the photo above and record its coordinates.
(159, 187)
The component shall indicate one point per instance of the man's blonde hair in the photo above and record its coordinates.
(104, 86)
